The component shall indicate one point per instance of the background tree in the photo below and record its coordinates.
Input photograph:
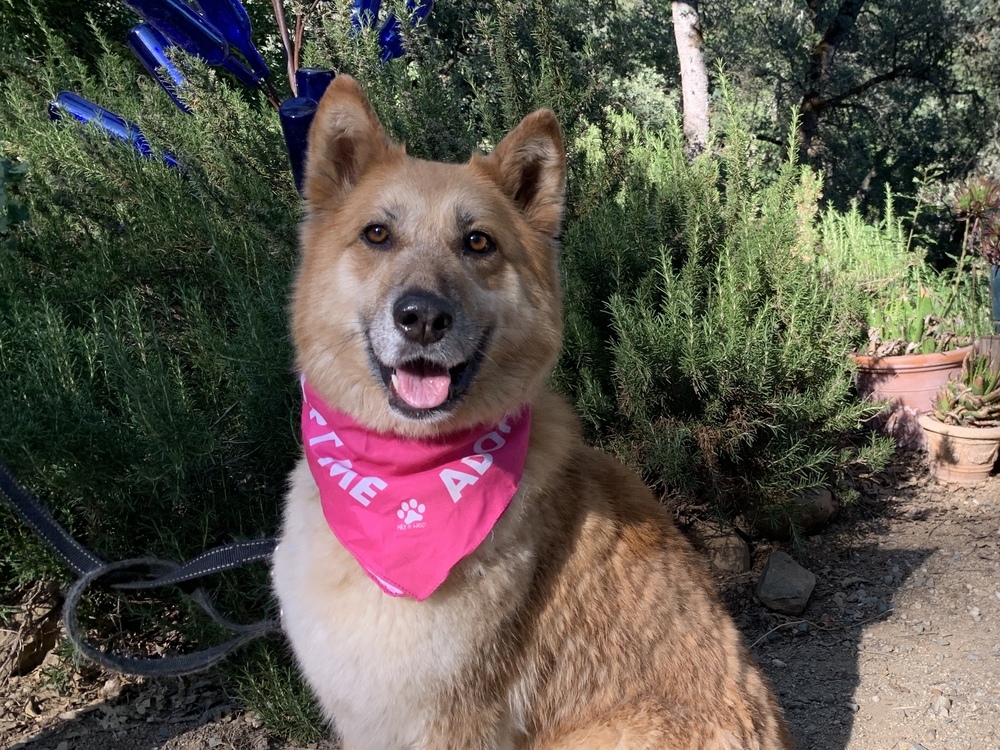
(883, 87)
(694, 76)
(819, 70)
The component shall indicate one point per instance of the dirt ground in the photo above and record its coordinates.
(898, 649)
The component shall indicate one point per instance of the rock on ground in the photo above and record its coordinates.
(727, 552)
(785, 586)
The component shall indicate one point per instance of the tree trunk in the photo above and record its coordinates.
(694, 76)
(818, 74)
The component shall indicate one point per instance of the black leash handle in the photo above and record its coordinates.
(91, 569)
(38, 517)
(165, 665)
(226, 557)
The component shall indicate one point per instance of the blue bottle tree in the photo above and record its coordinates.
(219, 32)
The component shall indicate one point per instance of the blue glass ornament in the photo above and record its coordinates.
(232, 21)
(390, 39)
(312, 82)
(150, 46)
(365, 13)
(114, 125)
(185, 28)
(192, 33)
(419, 10)
(242, 73)
(296, 116)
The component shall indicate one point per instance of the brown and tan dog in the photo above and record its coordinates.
(584, 620)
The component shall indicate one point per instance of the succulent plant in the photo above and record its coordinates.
(918, 322)
(973, 400)
(978, 205)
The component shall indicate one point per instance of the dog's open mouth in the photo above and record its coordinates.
(421, 387)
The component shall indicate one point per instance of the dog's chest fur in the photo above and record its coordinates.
(385, 667)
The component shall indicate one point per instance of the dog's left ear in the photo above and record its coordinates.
(530, 167)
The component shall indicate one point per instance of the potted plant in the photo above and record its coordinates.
(917, 340)
(977, 202)
(963, 431)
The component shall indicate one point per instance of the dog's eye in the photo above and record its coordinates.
(375, 234)
(479, 243)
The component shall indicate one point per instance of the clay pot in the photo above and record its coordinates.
(961, 455)
(910, 381)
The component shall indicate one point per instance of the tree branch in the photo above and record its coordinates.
(768, 139)
(818, 72)
(842, 23)
(903, 71)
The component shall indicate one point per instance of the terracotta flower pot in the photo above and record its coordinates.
(962, 455)
(911, 381)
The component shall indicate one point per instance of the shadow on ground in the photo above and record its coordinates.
(155, 715)
(814, 660)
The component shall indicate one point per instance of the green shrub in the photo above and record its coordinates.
(706, 343)
(909, 306)
(146, 387)
(144, 363)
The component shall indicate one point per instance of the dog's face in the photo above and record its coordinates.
(427, 297)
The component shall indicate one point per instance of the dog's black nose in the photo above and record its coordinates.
(423, 317)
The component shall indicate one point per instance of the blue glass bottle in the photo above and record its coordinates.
(296, 116)
(184, 27)
(232, 21)
(179, 23)
(365, 13)
(114, 125)
(311, 83)
(150, 46)
(390, 39)
(241, 72)
(419, 10)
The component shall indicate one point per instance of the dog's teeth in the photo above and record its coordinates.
(395, 381)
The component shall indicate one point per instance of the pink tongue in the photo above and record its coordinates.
(422, 391)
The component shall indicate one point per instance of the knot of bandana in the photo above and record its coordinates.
(409, 510)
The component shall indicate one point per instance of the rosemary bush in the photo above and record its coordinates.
(706, 342)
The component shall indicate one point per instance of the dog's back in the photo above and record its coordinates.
(583, 619)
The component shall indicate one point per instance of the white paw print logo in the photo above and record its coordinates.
(410, 511)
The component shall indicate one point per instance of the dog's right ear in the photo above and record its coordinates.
(346, 138)
(529, 165)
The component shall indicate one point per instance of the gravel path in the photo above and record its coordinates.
(899, 648)
(902, 648)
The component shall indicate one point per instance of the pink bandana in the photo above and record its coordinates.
(409, 510)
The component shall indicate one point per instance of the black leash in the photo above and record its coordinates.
(37, 516)
(90, 569)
